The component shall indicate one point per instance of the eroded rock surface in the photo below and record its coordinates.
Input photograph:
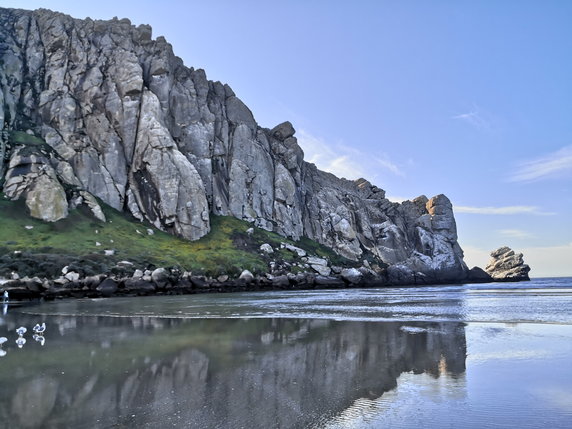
(506, 265)
(130, 124)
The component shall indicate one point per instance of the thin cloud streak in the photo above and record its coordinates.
(549, 166)
(385, 163)
(507, 210)
(515, 233)
(474, 118)
(343, 161)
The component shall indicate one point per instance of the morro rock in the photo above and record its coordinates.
(505, 265)
(92, 108)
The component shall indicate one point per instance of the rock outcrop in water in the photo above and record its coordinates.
(101, 109)
(505, 265)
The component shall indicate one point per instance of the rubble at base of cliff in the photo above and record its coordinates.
(126, 280)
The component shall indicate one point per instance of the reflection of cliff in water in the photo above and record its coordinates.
(215, 373)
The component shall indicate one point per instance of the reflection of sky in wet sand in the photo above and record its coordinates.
(525, 383)
(400, 358)
(214, 373)
(554, 396)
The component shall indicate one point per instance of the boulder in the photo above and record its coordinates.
(139, 286)
(300, 252)
(72, 276)
(319, 265)
(280, 281)
(352, 275)
(107, 287)
(506, 265)
(160, 277)
(246, 276)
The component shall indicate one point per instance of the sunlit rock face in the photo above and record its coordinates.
(286, 373)
(506, 265)
(135, 127)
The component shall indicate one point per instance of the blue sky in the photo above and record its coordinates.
(472, 99)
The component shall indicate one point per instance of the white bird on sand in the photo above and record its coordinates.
(39, 329)
(21, 331)
(20, 342)
(40, 339)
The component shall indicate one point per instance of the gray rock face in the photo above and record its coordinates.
(130, 124)
(505, 265)
(478, 275)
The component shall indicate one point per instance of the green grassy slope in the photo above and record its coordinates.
(227, 249)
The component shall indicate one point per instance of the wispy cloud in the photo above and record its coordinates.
(476, 118)
(506, 210)
(549, 166)
(515, 233)
(344, 161)
(387, 164)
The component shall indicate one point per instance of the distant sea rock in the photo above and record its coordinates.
(506, 265)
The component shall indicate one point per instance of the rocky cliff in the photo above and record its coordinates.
(101, 109)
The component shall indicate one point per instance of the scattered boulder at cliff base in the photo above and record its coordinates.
(506, 265)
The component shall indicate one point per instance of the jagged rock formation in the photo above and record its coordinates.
(130, 124)
(505, 265)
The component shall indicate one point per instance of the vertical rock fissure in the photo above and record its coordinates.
(131, 182)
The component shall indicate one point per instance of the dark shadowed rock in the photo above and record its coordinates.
(478, 275)
(280, 281)
(199, 282)
(139, 286)
(329, 281)
(283, 131)
(107, 287)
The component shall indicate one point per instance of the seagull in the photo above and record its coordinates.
(3, 340)
(40, 339)
(39, 329)
(5, 296)
(21, 331)
(20, 342)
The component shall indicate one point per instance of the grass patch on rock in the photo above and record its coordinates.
(32, 247)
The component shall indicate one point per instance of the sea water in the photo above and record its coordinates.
(472, 356)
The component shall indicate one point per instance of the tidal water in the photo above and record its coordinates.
(471, 356)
